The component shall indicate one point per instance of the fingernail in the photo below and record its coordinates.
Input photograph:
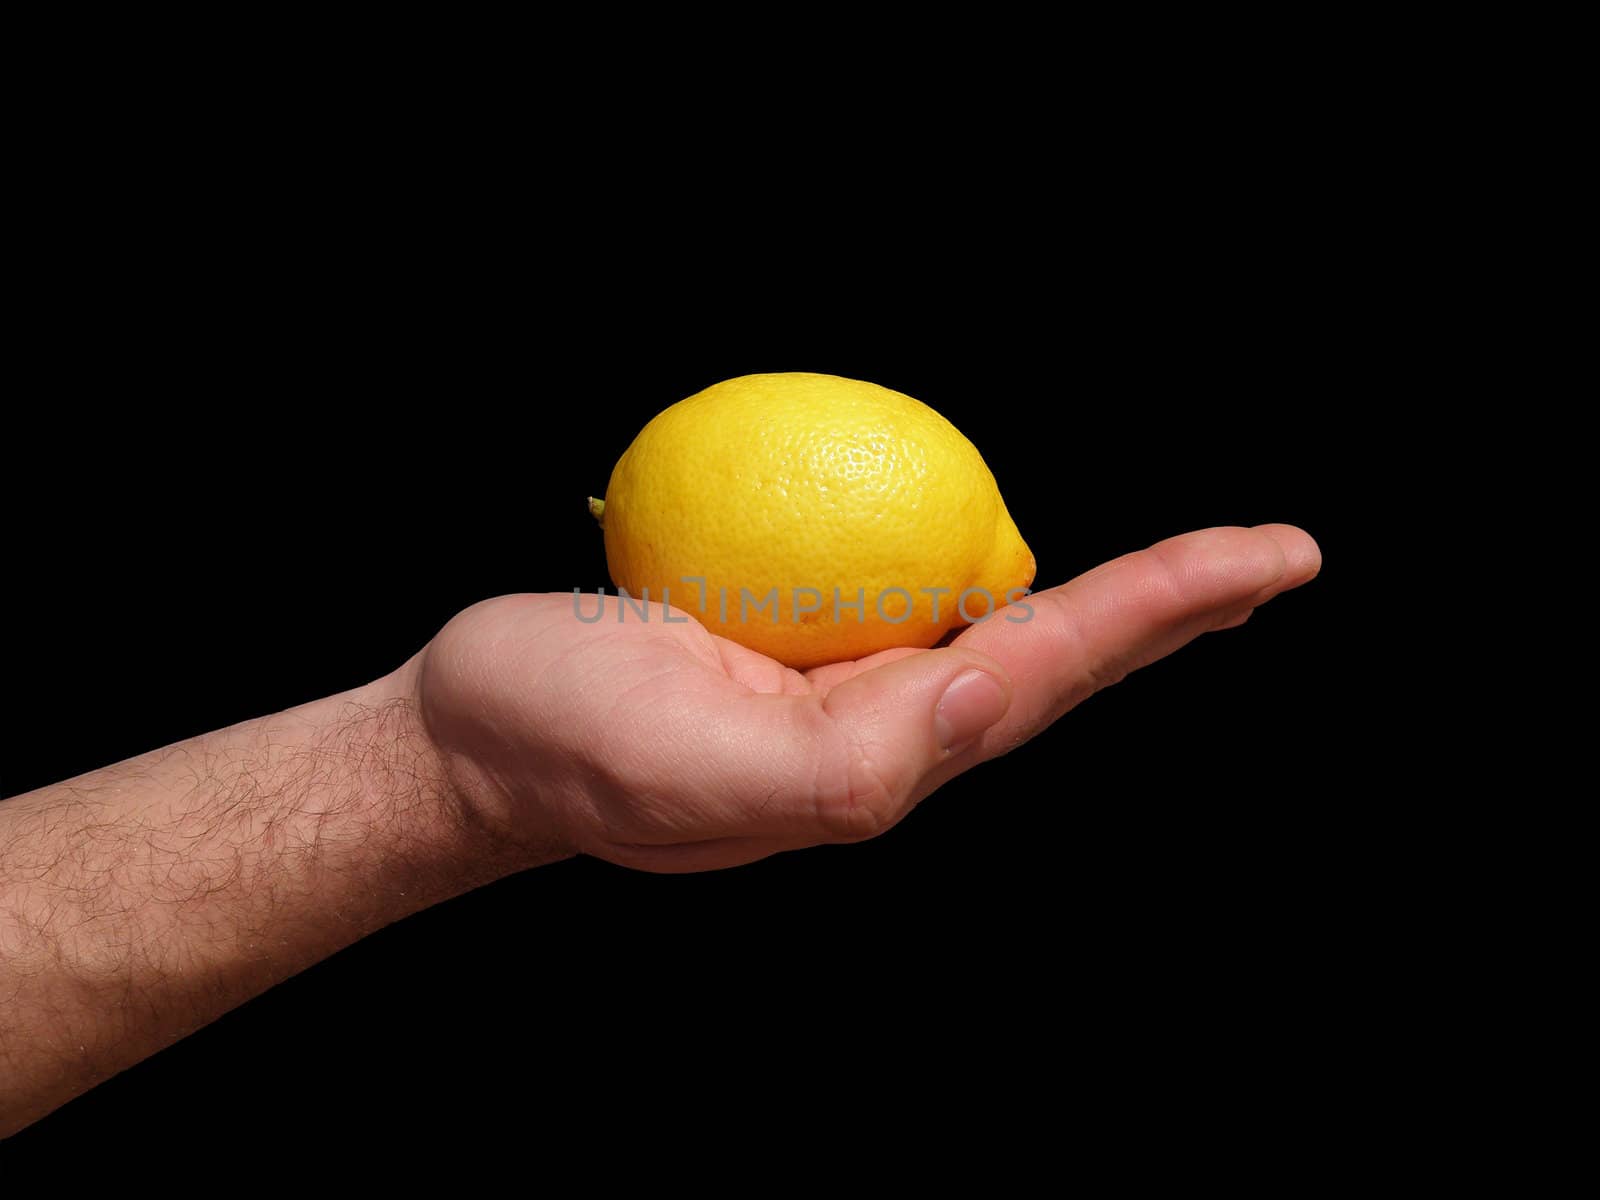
(973, 702)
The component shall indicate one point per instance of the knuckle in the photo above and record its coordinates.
(863, 804)
(1097, 669)
(1165, 581)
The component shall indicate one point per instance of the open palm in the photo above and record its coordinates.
(658, 745)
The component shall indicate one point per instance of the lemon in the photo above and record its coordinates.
(812, 518)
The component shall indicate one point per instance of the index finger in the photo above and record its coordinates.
(1090, 633)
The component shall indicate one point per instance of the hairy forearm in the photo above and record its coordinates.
(140, 902)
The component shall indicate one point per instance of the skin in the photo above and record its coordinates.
(141, 901)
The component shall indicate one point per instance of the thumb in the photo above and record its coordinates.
(900, 721)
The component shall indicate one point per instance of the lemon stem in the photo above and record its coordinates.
(597, 510)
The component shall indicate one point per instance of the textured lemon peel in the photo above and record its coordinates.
(740, 486)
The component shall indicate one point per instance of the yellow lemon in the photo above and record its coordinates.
(812, 518)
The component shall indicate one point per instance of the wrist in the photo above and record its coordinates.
(465, 805)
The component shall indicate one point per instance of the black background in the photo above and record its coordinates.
(292, 430)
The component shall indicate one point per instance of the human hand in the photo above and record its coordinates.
(660, 746)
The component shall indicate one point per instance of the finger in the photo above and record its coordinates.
(1302, 555)
(757, 671)
(823, 678)
(1233, 622)
(1088, 634)
(894, 724)
(847, 765)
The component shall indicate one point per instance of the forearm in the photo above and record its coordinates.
(140, 902)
